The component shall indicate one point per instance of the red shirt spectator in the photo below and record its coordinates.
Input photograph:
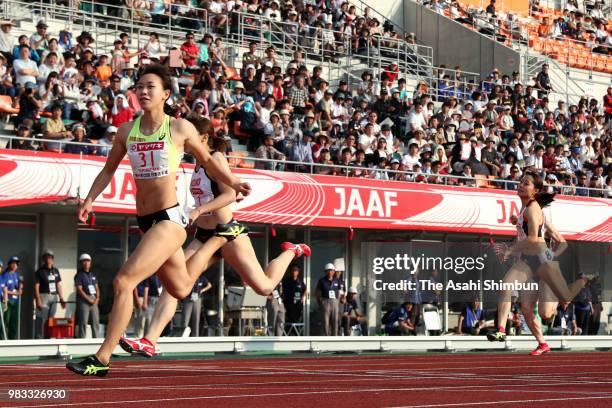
(121, 111)
(392, 72)
(608, 102)
(190, 51)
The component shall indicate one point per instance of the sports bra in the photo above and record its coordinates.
(522, 227)
(152, 156)
(203, 188)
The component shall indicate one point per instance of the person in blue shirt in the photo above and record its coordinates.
(328, 290)
(398, 321)
(13, 289)
(48, 290)
(583, 305)
(472, 319)
(351, 315)
(88, 298)
(192, 305)
(3, 304)
(141, 301)
(565, 322)
(294, 294)
(155, 290)
(341, 295)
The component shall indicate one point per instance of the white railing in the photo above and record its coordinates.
(10, 142)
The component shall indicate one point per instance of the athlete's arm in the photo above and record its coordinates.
(227, 196)
(194, 146)
(115, 156)
(534, 220)
(558, 238)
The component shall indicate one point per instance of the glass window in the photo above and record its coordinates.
(103, 243)
(327, 246)
(18, 237)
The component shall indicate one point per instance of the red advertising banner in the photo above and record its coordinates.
(304, 199)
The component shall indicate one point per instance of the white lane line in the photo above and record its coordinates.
(308, 393)
(492, 403)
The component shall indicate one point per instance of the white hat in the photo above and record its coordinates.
(250, 66)
(84, 257)
(352, 290)
(330, 266)
(111, 129)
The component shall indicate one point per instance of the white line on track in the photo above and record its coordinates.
(493, 403)
(306, 393)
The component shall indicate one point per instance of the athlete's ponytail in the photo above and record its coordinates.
(543, 197)
(204, 127)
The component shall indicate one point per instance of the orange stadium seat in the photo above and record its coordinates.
(6, 105)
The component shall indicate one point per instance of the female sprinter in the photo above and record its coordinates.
(213, 200)
(535, 263)
(154, 143)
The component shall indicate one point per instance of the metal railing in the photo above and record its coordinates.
(412, 59)
(105, 20)
(332, 169)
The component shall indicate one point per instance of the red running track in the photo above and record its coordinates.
(566, 379)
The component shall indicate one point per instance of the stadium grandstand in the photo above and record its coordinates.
(373, 132)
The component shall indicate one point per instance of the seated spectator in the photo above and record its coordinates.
(514, 178)
(107, 141)
(302, 152)
(398, 322)
(472, 318)
(271, 154)
(120, 112)
(24, 131)
(54, 128)
(78, 132)
(6, 79)
(352, 318)
(544, 29)
(565, 322)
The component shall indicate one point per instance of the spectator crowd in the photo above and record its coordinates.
(450, 131)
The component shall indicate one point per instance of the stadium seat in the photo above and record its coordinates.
(6, 105)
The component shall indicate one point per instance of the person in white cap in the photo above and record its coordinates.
(88, 298)
(328, 291)
(107, 141)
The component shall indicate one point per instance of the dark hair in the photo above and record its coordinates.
(204, 127)
(542, 197)
(162, 72)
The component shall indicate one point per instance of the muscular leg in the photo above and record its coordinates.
(551, 274)
(547, 302)
(166, 305)
(528, 302)
(158, 245)
(520, 273)
(240, 255)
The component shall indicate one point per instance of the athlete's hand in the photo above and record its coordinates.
(501, 250)
(239, 197)
(194, 215)
(85, 208)
(243, 188)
